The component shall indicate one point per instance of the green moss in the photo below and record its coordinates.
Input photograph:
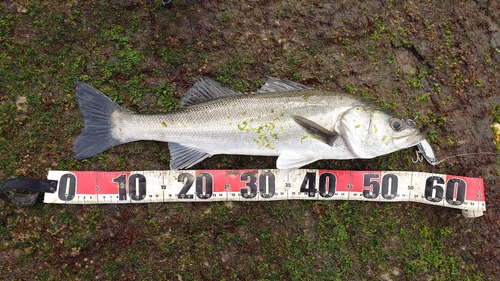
(242, 126)
(303, 138)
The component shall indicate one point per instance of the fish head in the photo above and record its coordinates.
(370, 132)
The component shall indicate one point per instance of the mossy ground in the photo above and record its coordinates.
(438, 61)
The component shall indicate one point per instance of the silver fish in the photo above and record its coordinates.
(294, 122)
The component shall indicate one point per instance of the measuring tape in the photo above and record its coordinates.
(84, 187)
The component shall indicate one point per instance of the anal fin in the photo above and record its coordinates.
(184, 157)
(292, 160)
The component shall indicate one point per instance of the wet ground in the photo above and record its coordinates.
(437, 60)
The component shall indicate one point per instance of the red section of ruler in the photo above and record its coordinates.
(237, 179)
(473, 187)
(98, 182)
(229, 180)
(366, 180)
(220, 178)
(344, 180)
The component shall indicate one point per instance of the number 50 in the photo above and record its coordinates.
(371, 186)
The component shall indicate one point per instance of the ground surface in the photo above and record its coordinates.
(435, 59)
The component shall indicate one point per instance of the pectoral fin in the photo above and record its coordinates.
(316, 131)
(292, 160)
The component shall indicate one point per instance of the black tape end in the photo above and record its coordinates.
(34, 188)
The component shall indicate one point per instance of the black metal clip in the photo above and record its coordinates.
(167, 3)
(24, 184)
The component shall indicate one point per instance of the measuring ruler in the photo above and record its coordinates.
(84, 187)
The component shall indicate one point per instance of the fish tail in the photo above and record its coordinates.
(96, 109)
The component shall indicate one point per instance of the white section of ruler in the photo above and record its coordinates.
(89, 187)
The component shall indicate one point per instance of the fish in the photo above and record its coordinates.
(296, 123)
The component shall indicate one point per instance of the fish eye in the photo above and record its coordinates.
(396, 124)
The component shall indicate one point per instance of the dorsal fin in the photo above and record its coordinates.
(280, 85)
(204, 90)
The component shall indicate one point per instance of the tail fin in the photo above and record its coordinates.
(96, 109)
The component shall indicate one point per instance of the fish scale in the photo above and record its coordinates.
(298, 124)
(234, 117)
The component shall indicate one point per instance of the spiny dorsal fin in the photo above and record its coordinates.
(280, 85)
(205, 90)
(316, 131)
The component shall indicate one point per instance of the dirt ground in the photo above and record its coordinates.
(437, 60)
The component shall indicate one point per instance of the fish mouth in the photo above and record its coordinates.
(415, 137)
(410, 140)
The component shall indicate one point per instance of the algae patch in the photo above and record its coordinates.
(496, 132)
(242, 126)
